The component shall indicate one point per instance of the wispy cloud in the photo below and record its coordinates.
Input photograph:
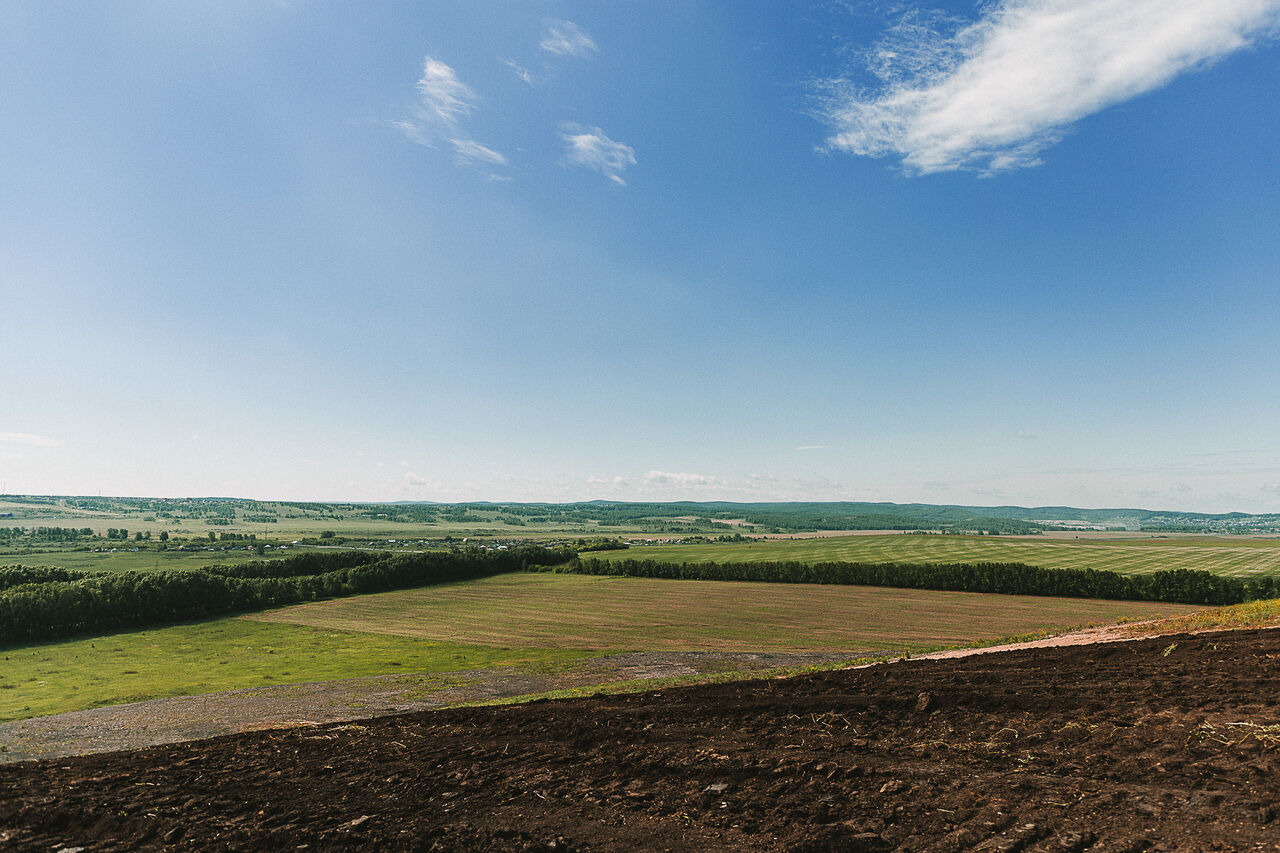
(520, 71)
(992, 94)
(27, 440)
(468, 152)
(590, 148)
(565, 38)
(812, 447)
(685, 480)
(444, 102)
(412, 479)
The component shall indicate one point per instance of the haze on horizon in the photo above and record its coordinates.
(1019, 252)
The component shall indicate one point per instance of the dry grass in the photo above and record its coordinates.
(644, 614)
(1253, 614)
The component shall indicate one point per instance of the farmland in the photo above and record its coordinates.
(583, 612)
(141, 560)
(1164, 744)
(521, 620)
(1230, 556)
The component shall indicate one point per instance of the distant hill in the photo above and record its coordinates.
(722, 517)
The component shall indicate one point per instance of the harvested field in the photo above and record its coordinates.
(1234, 556)
(1166, 744)
(633, 614)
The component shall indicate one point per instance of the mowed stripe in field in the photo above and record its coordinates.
(637, 614)
(1239, 558)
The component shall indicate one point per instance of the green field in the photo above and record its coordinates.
(226, 654)
(1234, 556)
(133, 561)
(1231, 556)
(525, 620)
(639, 614)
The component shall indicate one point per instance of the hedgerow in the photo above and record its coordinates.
(46, 604)
(1181, 586)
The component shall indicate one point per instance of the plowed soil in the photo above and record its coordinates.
(1166, 744)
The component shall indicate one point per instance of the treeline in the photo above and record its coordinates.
(46, 604)
(46, 534)
(1181, 586)
(18, 575)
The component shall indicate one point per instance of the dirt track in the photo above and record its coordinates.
(1155, 744)
(181, 718)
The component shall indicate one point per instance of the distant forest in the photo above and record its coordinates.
(677, 517)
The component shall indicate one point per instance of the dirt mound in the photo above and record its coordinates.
(1166, 744)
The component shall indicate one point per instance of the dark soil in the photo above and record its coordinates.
(1150, 745)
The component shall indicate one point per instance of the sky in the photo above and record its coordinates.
(1009, 252)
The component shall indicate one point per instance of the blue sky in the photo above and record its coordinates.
(1012, 252)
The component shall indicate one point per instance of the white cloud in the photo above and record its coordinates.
(413, 479)
(565, 38)
(444, 102)
(666, 478)
(468, 151)
(520, 71)
(28, 440)
(616, 482)
(590, 148)
(992, 94)
(812, 447)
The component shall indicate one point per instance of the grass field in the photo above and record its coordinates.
(226, 654)
(523, 620)
(639, 614)
(134, 561)
(1231, 556)
(293, 523)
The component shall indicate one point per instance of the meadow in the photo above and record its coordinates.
(1229, 556)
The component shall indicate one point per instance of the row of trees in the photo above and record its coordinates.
(1179, 585)
(18, 575)
(46, 534)
(46, 604)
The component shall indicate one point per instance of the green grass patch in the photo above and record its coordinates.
(645, 614)
(1233, 557)
(227, 654)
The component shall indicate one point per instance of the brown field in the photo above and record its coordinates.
(1166, 744)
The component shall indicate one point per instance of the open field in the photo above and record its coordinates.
(1231, 556)
(289, 521)
(1165, 744)
(126, 560)
(636, 614)
(226, 654)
